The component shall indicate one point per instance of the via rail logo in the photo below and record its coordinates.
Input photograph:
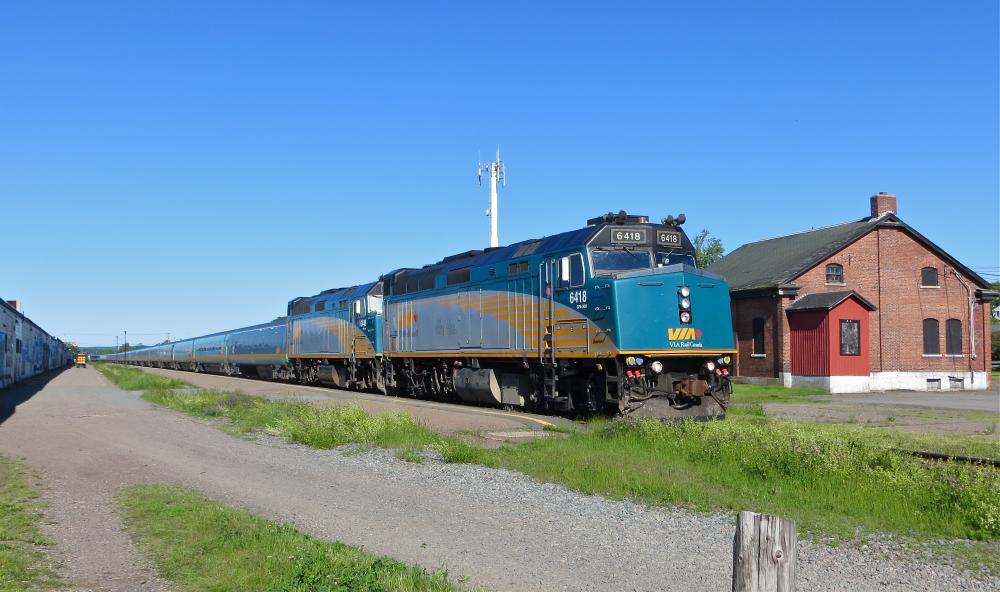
(684, 337)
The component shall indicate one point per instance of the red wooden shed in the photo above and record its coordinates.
(829, 341)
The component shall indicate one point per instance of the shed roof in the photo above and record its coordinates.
(774, 262)
(827, 301)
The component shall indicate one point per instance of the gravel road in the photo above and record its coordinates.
(86, 439)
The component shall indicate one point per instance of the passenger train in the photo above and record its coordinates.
(612, 317)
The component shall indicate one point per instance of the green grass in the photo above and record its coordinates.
(831, 481)
(23, 563)
(745, 395)
(748, 403)
(199, 544)
(130, 378)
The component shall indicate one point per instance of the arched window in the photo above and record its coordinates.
(929, 277)
(932, 338)
(953, 337)
(834, 273)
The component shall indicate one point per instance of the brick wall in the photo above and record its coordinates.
(885, 267)
(745, 310)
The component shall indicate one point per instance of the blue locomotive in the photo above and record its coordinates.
(613, 316)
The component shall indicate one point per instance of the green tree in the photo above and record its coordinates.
(707, 249)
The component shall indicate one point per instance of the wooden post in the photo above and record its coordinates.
(764, 553)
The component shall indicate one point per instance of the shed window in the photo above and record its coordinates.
(953, 337)
(758, 337)
(932, 337)
(320, 306)
(834, 273)
(929, 277)
(459, 276)
(850, 337)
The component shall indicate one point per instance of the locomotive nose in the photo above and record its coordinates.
(680, 312)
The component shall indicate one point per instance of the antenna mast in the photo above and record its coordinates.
(498, 176)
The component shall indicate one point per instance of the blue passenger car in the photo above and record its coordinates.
(259, 350)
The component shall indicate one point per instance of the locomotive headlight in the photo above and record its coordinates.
(685, 317)
(684, 291)
(727, 359)
(685, 303)
(656, 366)
(709, 365)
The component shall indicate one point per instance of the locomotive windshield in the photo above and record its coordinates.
(672, 258)
(618, 260)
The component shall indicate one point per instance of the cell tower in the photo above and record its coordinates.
(498, 176)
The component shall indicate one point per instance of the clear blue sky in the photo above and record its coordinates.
(190, 167)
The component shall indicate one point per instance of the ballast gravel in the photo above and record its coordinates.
(491, 528)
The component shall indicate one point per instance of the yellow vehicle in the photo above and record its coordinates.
(81, 360)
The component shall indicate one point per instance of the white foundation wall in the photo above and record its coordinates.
(925, 381)
(834, 384)
(891, 381)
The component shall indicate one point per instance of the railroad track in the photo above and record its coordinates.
(972, 460)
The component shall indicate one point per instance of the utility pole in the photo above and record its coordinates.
(126, 347)
(498, 176)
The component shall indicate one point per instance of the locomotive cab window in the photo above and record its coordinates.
(320, 306)
(571, 273)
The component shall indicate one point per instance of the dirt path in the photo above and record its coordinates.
(86, 439)
(55, 433)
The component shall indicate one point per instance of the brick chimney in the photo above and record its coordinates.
(882, 203)
(15, 304)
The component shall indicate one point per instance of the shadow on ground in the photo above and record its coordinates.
(14, 395)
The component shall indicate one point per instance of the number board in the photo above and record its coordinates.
(629, 236)
(664, 237)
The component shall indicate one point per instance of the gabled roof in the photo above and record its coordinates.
(827, 301)
(775, 262)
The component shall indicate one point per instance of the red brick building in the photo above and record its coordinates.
(867, 305)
